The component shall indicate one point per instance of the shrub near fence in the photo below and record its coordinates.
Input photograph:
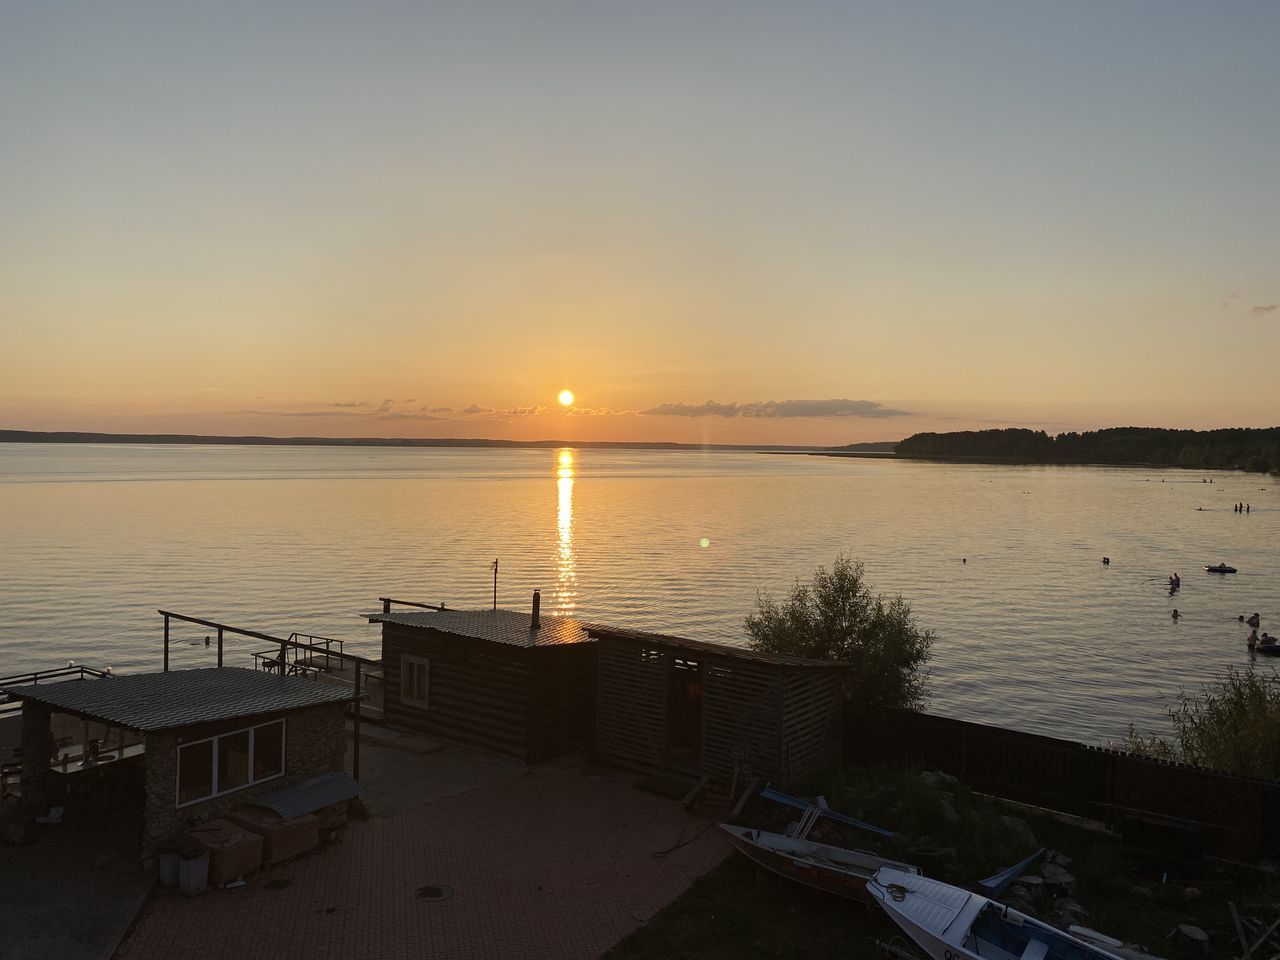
(1160, 803)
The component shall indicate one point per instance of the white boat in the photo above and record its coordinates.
(818, 865)
(948, 923)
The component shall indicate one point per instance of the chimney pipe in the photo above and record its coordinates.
(537, 605)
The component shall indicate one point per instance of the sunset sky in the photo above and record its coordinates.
(722, 222)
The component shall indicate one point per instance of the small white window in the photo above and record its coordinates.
(415, 679)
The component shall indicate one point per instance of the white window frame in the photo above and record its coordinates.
(423, 702)
(177, 773)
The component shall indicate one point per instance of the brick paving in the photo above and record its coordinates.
(550, 864)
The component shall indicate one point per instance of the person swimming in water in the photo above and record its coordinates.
(1254, 621)
(1252, 642)
(1176, 615)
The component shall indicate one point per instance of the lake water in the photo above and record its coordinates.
(1034, 632)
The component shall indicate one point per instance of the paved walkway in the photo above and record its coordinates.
(550, 864)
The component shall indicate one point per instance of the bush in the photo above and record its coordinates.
(838, 618)
(1232, 726)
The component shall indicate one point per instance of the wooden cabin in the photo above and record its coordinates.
(500, 680)
(693, 709)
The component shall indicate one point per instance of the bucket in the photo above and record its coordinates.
(193, 873)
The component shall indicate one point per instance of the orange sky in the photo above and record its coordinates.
(316, 220)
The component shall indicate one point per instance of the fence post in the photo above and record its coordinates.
(355, 730)
(166, 643)
(219, 646)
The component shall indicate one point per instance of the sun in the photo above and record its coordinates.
(566, 398)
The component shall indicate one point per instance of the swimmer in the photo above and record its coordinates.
(1176, 615)
(1254, 621)
(1106, 561)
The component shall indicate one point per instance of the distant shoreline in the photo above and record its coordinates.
(37, 436)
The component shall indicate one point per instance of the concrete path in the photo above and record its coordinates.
(551, 863)
(72, 894)
(399, 771)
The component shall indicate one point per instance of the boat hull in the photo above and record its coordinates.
(848, 880)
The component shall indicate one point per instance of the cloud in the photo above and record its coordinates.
(427, 408)
(350, 403)
(302, 413)
(596, 412)
(403, 415)
(493, 413)
(1265, 308)
(386, 406)
(776, 408)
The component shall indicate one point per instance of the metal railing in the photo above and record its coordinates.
(10, 705)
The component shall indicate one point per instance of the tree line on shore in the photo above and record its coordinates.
(1230, 449)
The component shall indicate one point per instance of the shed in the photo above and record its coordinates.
(193, 744)
(670, 705)
(497, 679)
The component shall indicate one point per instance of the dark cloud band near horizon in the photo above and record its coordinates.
(777, 409)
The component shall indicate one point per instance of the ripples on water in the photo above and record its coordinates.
(1034, 633)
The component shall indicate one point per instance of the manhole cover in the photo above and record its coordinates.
(435, 891)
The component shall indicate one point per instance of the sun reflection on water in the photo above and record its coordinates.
(566, 568)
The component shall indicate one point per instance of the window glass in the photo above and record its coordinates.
(415, 677)
(268, 751)
(233, 761)
(195, 771)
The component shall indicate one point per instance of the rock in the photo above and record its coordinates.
(1020, 831)
(1057, 881)
(1031, 883)
(1068, 908)
(1140, 891)
(1192, 893)
(1060, 859)
(1189, 942)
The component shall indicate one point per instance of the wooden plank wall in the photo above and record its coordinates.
(1235, 817)
(479, 691)
(562, 700)
(812, 722)
(631, 704)
(742, 709)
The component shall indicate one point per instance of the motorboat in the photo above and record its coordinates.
(949, 923)
(1218, 568)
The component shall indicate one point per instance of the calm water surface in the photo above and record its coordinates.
(1034, 633)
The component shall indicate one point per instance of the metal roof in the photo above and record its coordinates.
(498, 626)
(604, 632)
(149, 702)
(309, 795)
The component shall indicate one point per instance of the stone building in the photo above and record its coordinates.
(185, 746)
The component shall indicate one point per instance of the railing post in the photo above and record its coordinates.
(386, 604)
(219, 646)
(284, 657)
(166, 643)
(355, 730)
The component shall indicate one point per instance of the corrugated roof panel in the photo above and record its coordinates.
(150, 702)
(309, 795)
(497, 626)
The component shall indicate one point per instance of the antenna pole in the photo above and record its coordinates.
(495, 584)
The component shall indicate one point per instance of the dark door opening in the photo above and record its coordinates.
(684, 714)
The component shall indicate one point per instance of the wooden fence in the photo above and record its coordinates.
(1160, 804)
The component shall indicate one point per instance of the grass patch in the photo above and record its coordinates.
(741, 911)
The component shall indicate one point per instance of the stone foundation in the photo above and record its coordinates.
(315, 743)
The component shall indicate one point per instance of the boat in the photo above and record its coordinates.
(818, 865)
(1268, 649)
(949, 923)
(1219, 568)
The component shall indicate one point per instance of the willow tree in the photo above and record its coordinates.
(837, 617)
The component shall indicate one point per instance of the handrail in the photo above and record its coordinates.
(258, 635)
(388, 601)
(19, 679)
